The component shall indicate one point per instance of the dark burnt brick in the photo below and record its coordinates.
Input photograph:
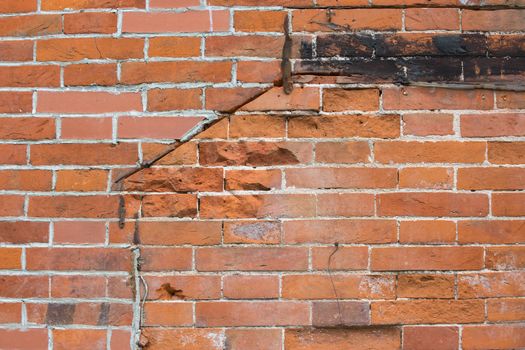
(495, 69)
(506, 45)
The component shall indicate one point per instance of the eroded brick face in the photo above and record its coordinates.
(363, 209)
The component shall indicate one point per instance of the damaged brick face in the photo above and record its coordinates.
(361, 185)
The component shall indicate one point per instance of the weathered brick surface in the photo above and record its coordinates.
(374, 206)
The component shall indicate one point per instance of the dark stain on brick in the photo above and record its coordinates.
(166, 291)
(103, 317)
(60, 314)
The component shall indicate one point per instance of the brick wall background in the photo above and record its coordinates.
(351, 213)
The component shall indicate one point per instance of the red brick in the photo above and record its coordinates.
(187, 232)
(230, 99)
(174, 47)
(92, 102)
(78, 232)
(16, 102)
(80, 339)
(502, 20)
(184, 154)
(258, 71)
(341, 231)
(278, 313)
(86, 128)
(11, 205)
(496, 232)
(292, 3)
(16, 50)
(24, 287)
(120, 339)
(78, 287)
(244, 46)
(201, 338)
(491, 284)
(326, 339)
(164, 259)
(25, 180)
(251, 287)
(341, 178)
(383, 126)
(427, 311)
(10, 313)
(342, 152)
(174, 99)
(427, 258)
(493, 336)
(168, 314)
(10, 258)
(427, 124)
(259, 21)
(340, 313)
(90, 74)
(74, 206)
(345, 204)
(261, 339)
(492, 125)
(218, 130)
(491, 179)
(429, 152)
(344, 258)
(156, 127)
(436, 98)
(432, 204)
(81, 180)
(165, 22)
(505, 258)
(338, 100)
(50, 5)
(347, 286)
(83, 154)
(505, 310)
(506, 152)
(90, 22)
(24, 339)
(120, 287)
(31, 25)
(427, 231)
(439, 286)
(510, 99)
(175, 72)
(30, 76)
(257, 206)
(20, 232)
(76, 49)
(432, 178)
(63, 259)
(427, 337)
(252, 259)
(259, 232)
(182, 180)
(185, 286)
(256, 180)
(354, 19)
(276, 100)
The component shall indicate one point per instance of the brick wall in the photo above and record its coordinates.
(358, 183)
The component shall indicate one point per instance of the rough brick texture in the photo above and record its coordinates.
(380, 204)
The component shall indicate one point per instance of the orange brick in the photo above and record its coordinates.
(10, 258)
(275, 99)
(74, 206)
(427, 124)
(430, 152)
(16, 50)
(27, 128)
(18, 6)
(491, 284)
(184, 287)
(510, 99)
(257, 126)
(427, 337)
(76, 49)
(256, 180)
(258, 71)
(493, 125)
(432, 178)
(90, 22)
(24, 287)
(506, 152)
(203, 338)
(244, 46)
(496, 231)
(326, 339)
(24, 232)
(81, 180)
(508, 204)
(251, 287)
(174, 47)
(15, 102)
(230, 99)
(432, 19)
(11, 205)
(427, 231)
(341, 178)
(425, 286)
(30, 76)
(491, 178)
(184, 154)
(432, 204)
(64, 259)
(354, 19)
(164, 259)
(342, 231)
(168, 314)
(505, 310)
(10, 313)
(344, 258)
(81, 339)
(174, 99)
(254, 313)
(259, 231)
(92, 102)
(427, 258)
(261, 339)
(78, 287)
(490, 336)
(78, 232)
(259, 21)
(86, 4)
(345, 204)
(25, 180)
(338, 100)
(342, 152)
(31, 25)
(156, 127)
(177, 205)
(83, 154)
(505, 258)
(502, 20)
(165, 22)
(34, 339)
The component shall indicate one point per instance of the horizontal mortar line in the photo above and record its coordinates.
(61, 300)
(63, 273)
